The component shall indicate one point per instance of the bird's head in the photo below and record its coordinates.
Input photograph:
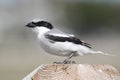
(40, 26)
(37, 23)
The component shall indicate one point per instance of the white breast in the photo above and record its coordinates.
(55, 48)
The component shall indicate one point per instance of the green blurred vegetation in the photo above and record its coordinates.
(91, 17)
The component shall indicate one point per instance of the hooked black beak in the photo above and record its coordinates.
(30, 25)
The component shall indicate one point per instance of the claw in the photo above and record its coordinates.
(57, 62)
(65, 62)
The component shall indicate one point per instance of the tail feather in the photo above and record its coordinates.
(100, 52)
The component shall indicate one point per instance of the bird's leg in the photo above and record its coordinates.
(68, 58)
(66, 61)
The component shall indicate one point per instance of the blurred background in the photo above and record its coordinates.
(94, 21)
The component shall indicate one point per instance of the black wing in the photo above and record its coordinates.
(72, 39)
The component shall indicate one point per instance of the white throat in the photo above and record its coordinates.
(41, 30)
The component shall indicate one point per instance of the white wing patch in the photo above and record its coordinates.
(60, 35)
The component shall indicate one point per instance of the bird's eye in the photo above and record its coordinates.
(33, 23)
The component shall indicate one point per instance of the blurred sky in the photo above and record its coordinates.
(94, 21)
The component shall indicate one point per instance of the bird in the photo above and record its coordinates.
(59, 43)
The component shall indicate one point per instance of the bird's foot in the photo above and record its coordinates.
(68, 62)
(65, 62)
(57, 63)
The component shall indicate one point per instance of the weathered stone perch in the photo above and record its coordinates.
(74, 72)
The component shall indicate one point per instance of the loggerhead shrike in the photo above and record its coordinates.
(56, 42)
